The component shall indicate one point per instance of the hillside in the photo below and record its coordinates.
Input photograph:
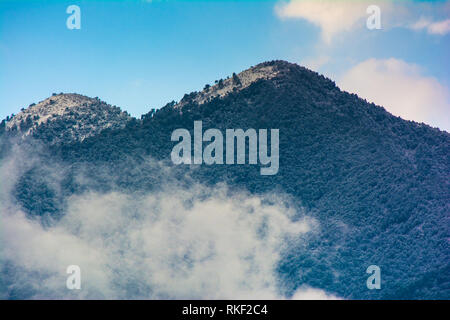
(66, 117)
(378, 185)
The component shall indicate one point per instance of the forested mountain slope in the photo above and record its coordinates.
(377, 184)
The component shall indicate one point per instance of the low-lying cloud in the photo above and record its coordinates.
(174, 243)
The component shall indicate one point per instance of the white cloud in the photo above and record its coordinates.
(316, 63)
(331, 16)
(432, 27)
(334, 17)
(402, 89)
(155, 247)
(312, 294)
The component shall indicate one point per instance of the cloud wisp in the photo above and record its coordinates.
(432, 27)
(335, 17)
(332, 17)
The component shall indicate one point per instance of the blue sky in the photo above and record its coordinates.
(142, 54)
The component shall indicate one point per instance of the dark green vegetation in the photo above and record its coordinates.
(377, 184)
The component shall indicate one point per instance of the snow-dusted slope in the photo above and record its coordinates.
(67, 116)
(236, 83)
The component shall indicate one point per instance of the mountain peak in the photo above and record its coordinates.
(57, 104)
(74, 115)
(236, 82)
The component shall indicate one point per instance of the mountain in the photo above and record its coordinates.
(232, 84)
(377, 185)
(66, 117)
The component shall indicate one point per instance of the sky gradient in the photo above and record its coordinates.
(140, 55)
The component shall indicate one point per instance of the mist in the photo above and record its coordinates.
(173, 243)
